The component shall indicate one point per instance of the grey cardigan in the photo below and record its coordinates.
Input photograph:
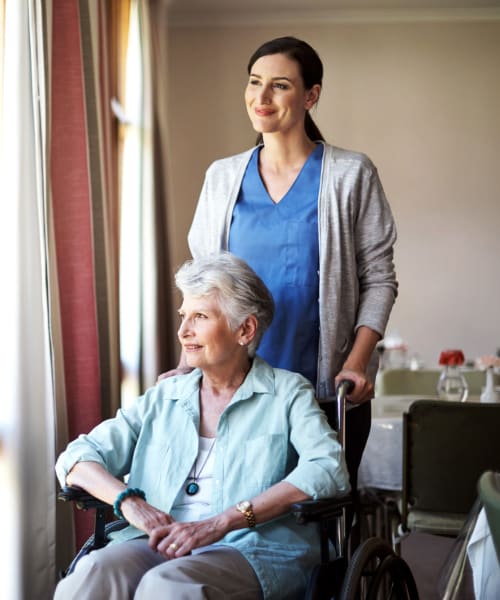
(356, 237)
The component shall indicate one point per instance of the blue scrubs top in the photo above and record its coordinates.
(280, 242)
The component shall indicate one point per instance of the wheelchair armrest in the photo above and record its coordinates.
(83, 499)
(320, 510)
(103, 526)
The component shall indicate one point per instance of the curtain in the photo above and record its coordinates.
(83, 223)
(163, 333)
(62, 64)
(149, 348)
(88, 69)
(27, 415)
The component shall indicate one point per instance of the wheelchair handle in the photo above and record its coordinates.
(344, 387)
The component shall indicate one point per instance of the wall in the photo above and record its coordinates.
(422, 99)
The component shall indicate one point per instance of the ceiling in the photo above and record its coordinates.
(272, 5)
(248, 12)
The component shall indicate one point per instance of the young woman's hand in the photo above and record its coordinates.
(363, 387)
(172, 372)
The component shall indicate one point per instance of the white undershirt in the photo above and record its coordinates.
(197, 507)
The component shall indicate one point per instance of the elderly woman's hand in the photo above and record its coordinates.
(142, 515)
(179, 539)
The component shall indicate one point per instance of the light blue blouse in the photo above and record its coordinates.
(280, 242)
(273, 430)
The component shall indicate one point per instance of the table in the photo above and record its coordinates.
(382, 463)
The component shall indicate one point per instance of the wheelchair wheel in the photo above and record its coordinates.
(393, 579)
(89, 545)
(376, 573)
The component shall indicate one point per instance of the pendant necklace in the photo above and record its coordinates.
(193, 487)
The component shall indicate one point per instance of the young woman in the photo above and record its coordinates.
(314, 223)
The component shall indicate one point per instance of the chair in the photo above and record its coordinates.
(489, 493)
(446, 447)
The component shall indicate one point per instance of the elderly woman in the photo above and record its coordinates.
(216, 458)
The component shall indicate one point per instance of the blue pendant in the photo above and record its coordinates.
(192, 488)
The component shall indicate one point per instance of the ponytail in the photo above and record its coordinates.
(312, 131)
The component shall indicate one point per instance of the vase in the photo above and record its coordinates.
(489, 393)
(452, 385)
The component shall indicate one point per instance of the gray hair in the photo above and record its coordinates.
(239, 290)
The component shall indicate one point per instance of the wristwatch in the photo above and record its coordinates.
(245, 508)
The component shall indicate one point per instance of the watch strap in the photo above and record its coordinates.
(246, 509)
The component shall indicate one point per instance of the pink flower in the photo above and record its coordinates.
(488, 361)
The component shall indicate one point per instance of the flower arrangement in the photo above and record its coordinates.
(452, 384)
(490, 364)
(451, 358)
(488, 361)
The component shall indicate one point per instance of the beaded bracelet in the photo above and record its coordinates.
(127, 493)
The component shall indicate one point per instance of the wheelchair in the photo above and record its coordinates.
(373, 572)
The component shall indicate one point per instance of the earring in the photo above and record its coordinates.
(241, 343)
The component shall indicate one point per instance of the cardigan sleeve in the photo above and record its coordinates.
(375, 235)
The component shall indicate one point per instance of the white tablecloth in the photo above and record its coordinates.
(382, 463)
(381, 466)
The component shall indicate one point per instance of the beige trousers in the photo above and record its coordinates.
(132, 570)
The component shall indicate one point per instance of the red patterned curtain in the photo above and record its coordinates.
(84, 207)
(87, 70)
(84, 218)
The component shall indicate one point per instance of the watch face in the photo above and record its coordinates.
(244, 505)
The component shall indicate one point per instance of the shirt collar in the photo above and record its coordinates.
(185, 388)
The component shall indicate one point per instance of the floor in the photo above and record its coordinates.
(427, 557)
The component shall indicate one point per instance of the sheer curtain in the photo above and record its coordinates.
(27, 414)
